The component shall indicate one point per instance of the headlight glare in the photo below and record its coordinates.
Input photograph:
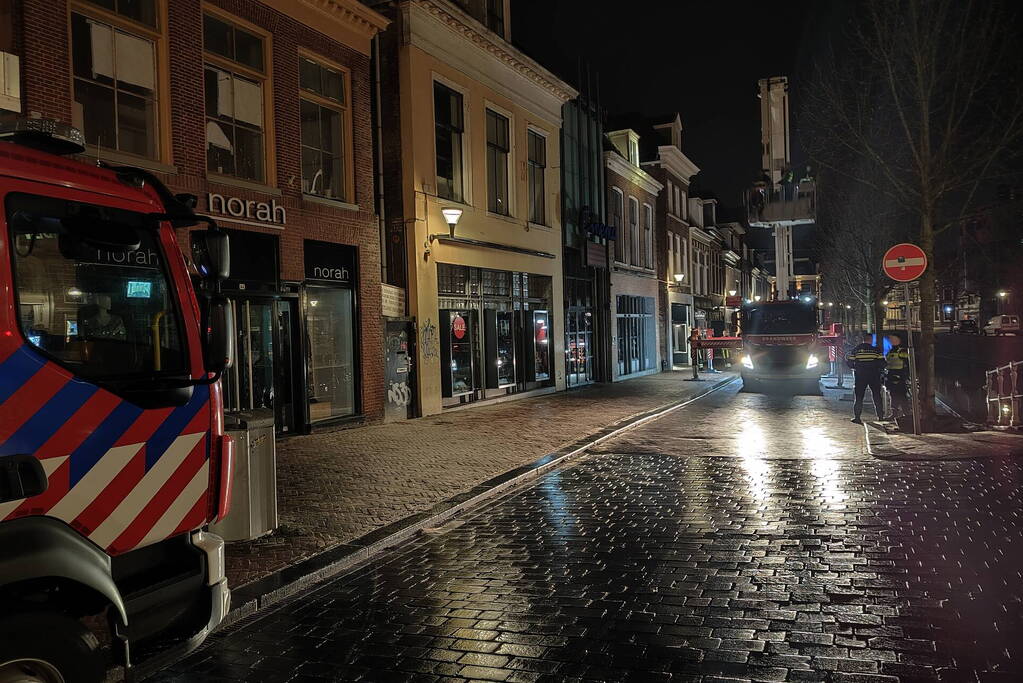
(747, 361)
(812, 362)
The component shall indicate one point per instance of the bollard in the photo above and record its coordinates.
(694, 344)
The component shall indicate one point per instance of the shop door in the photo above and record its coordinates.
(579, 347)
(260, 382)
(399, 376)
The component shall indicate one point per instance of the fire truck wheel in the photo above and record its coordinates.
(47, 647)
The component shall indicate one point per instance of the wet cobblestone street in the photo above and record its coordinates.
(739, 538)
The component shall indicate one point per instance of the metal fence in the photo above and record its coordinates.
(1004, 395)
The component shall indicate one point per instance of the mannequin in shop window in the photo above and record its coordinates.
(100, 323)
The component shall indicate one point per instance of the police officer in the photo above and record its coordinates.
(897, 380)
(868, 363)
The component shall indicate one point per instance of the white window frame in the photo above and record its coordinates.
(647, 211)
(467, 195)
(634, 231)
(530, 128)
(620, 229)
(512, 156)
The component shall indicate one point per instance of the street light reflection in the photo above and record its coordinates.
(824, 468)
(751, 444)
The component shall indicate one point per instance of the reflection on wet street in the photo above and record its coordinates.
(744, 537)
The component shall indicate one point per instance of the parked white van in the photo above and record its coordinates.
(1002, 324)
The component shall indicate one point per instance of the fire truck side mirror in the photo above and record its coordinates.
(211, 252)
(220, 335)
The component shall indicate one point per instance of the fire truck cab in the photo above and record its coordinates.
(780, 350)
(113, 457)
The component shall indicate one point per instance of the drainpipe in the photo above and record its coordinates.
(379, 140)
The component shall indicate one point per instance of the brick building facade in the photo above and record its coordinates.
(281, 154)
(631, 197)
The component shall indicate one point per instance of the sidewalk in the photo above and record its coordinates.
(883, 440)
(334, 487)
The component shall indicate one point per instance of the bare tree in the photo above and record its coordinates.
(857, 225)
(923, 105)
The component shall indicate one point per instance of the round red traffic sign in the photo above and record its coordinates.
(458, 326)
(904, 262)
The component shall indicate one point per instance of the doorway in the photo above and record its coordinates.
(399, 377)
(262, 381)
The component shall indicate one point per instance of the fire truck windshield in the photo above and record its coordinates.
(102, 312)
(780, 318)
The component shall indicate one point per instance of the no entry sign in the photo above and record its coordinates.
(904, 262)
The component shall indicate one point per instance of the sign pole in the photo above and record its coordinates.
(913, 403)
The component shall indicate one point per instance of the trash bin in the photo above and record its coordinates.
(254, 487)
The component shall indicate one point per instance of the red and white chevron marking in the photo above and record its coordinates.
(117, 504)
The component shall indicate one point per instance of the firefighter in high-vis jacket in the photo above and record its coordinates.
(897, 380)
(867, 363)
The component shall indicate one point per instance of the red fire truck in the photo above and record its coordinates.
(113, 457)
(780, 346)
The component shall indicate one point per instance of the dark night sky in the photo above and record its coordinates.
(702, 59)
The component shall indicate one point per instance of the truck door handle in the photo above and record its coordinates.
(21, 476)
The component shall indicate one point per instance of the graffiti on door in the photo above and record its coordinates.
(399, 394)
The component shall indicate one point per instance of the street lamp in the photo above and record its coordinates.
(679, 277)
(756, 298)
(1002, 294)
(731, 292)
(885, 302)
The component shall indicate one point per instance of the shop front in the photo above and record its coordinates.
(636, 336)
(494, 333)
(680, 325)
(331, 335)
(266, 379)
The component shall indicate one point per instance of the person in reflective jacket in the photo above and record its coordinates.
(867, 363)
(897, 380)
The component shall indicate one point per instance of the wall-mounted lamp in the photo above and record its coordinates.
(731, 292)
(756, 298)
(679, 277)
(451, 215)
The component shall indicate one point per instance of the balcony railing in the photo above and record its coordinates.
(794, 204)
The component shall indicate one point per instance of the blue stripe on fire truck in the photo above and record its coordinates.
(102, 440)
(174, 425)
(40, 427)
(17, 370)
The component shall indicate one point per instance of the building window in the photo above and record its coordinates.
(636, 254)
(498, 148)
(537, 173)
(633, 152)
(648, 236)
(614, 214)
(679, 211)
(142, 11)
(495, 16)
(324, 130)
(234, 82)
(449, 126)
(331, 368)
(114, 65)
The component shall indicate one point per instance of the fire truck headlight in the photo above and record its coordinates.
(747, 361)
(812, 362)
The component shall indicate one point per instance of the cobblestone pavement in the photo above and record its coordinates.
(682, 551)
(336, 486)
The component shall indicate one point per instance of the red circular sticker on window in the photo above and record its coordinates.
(458, 327)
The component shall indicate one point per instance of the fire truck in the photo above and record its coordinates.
(113, 457)
(781, 347)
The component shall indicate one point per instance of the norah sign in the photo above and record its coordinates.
(247, 209)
